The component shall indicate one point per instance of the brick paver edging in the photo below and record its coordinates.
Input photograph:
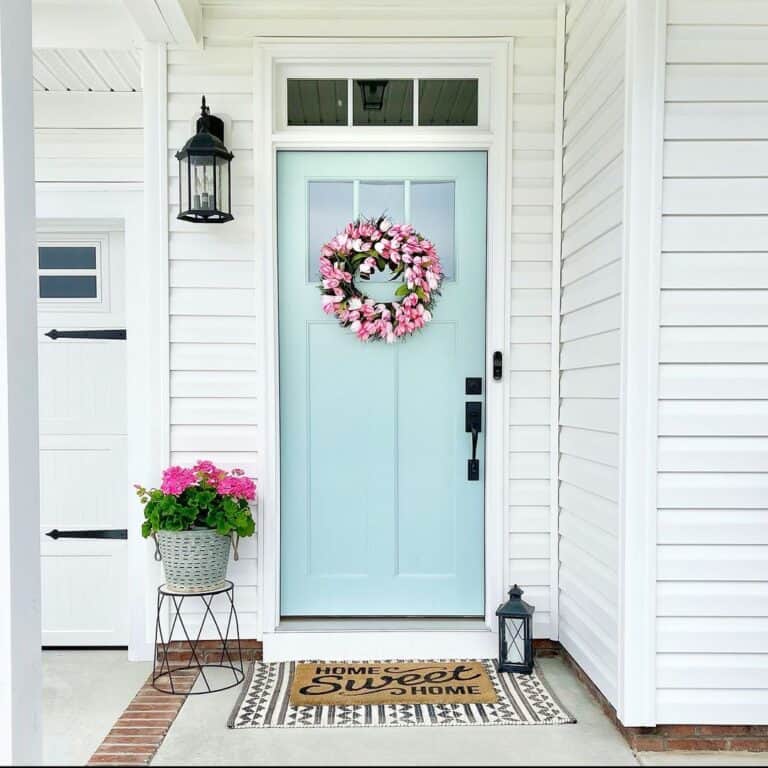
(140, 730)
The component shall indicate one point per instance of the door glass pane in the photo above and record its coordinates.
(432, 214)
(317, 102)
(382, 197)
(447, 102)
(382, 102)
(330, 210)
(67, 257)
(377, 198)
(67, 287)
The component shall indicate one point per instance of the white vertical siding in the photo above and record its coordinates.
(529, 354)
(590, 336)
(712, 591)
(214, 328)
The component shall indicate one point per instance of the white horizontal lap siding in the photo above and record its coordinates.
(712, 591)
(214, 332)
(88, 137)
(529, 356)
(590, 336)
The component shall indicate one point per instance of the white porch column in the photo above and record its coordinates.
(20, 660)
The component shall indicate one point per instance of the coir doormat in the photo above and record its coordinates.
(454, 692)
(432, 682)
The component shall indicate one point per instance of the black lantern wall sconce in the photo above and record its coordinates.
(205, 180)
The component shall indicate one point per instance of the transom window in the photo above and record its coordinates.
(69, 272)
(382, 101)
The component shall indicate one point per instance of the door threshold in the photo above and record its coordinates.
(354, 639)
(381, 624)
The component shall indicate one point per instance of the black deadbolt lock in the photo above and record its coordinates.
(473, 386)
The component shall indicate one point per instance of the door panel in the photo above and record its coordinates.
(377, 515)
(83, 426)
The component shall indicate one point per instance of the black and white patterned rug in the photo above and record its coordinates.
(265, 703)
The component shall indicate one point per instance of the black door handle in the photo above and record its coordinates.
(473, 417)
(104, 533)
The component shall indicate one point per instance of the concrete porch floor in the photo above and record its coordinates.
(86, 691)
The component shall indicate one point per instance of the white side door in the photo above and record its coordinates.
(83, 483)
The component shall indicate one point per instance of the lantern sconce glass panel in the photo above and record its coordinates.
(205, 182)
(515, 634)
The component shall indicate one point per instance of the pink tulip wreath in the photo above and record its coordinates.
(366, 245)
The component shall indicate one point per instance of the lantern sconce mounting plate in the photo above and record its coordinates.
(205, 179)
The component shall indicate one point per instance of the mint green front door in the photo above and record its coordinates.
(378, 516)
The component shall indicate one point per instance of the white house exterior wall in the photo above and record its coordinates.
(712, 598)
(215, 329)
(214, 322)
(590, 336)
(88, 137)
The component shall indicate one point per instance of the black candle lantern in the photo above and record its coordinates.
(515, 634)
(205, 184)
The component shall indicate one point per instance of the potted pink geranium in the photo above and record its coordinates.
(193, 517)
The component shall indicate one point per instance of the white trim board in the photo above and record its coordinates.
(557, 249)
(423, 56)
(643, 142)
(359, 645)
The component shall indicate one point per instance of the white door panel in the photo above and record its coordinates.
(82, 486)
(83, 429)
(84, 596)
(81, 383)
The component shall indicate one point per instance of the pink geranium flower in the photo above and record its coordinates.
(176, 480)
(238, 486)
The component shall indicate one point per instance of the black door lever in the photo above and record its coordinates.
(473, 422)
(473, 464)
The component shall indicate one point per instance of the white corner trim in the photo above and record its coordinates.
(148, 334)
(554, 395)
(321, 57)
(643, 147)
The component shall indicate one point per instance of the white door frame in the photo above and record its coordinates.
(65, 202)
(491, 61)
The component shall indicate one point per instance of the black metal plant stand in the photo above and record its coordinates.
(162, 670)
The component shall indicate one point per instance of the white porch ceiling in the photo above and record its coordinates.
(73, 69)
(398, 10)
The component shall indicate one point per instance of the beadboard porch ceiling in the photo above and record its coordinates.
(83, 70)
(397, 10)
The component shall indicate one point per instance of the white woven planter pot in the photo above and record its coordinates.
(194, 561)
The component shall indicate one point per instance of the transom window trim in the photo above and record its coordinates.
(95, 274)
(350, 72)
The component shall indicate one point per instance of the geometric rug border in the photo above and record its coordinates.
(523, 700)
